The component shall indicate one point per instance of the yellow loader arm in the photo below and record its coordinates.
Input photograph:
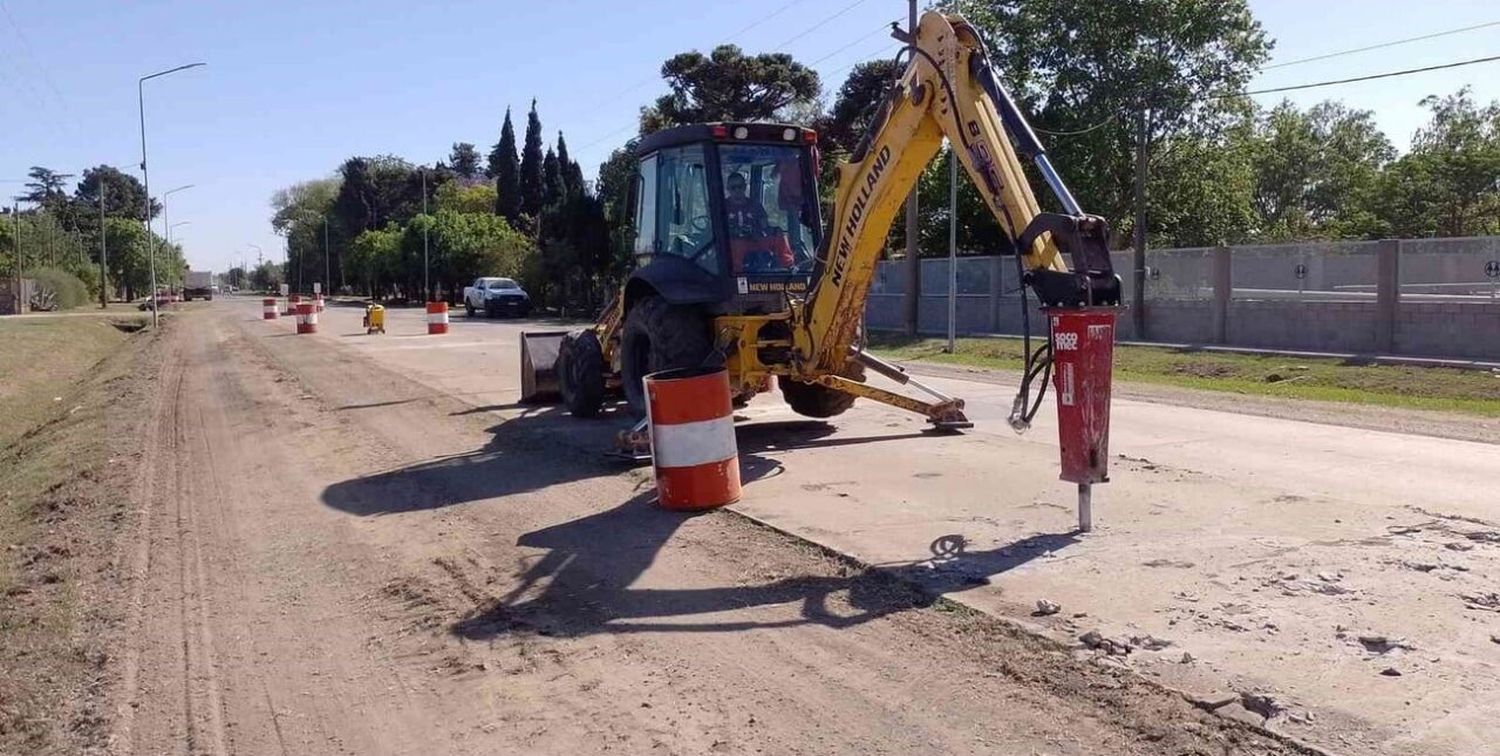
(948, 90)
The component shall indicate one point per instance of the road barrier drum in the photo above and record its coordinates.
(268, 308)
(437, 317)
(307, 317)
(318, 300)
(292, 301)
(693, 451)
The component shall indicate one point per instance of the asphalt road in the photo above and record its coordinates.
(1255, 554)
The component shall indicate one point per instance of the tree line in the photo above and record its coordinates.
(1161, 79)
(61, 230)
(387, 228)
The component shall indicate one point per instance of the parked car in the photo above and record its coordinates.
(496, 296)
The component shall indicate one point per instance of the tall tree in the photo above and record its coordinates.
(1102, 67)
(572, 175)
(123, 194)
(464, 160)
(728, 85)
(531, 165)
(1454, 164)
(505, 167)
(616, 175)
(45, 189)
(553, 188)
(1316, 171)
(855, 105)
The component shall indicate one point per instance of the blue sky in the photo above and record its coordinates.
(292, 88)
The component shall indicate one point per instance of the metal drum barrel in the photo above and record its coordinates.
(693, 450)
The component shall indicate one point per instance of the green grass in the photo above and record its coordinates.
(1474, 392)
(58, 379)
(42, 358)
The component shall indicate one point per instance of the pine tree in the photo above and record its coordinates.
(531, 165)
(572, 183)
(506, 170)
(464, 160)
(553, 188)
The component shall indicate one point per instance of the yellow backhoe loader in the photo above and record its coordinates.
(736, 266)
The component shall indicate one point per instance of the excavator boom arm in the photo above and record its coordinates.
(948, 90)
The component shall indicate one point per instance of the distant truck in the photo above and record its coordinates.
(496, 296)
(199, 283)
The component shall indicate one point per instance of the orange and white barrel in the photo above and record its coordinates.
(318, 301)
(268, 308)
(437, 317)
(693, 450)
(307, 317)
(291, 304)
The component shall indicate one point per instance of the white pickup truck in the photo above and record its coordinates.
(496, 296)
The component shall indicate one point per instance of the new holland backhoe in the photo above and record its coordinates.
(737, 267)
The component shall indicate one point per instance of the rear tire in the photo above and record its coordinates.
(580, 373)
(814, 400)
(660, 336)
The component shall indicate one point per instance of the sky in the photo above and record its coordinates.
(291, 89)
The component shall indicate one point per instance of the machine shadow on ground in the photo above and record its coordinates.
(581, 585)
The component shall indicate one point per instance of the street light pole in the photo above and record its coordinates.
(166, 237)
(327, 276)
(140, 87)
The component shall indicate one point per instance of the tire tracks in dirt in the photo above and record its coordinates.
(414, 579)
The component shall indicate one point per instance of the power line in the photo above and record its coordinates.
(1370, 77)
(763, 19)
(881, 28)
(820, 24)
(1382, 45)
(1078, 132)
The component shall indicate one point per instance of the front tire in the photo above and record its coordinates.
(815, 400)
(580, 373)
(468, 308)
(660, 336)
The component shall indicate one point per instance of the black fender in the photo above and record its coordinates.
(678, 281)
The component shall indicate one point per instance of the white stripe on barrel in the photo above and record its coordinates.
(307, 317)
(437, 317)
(693, 448)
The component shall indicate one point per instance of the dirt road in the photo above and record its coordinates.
(335, 559)
(1263, 547)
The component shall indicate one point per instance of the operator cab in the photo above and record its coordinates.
(727, 215)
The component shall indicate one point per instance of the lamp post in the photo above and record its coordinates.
(166, 237)
(259, 253)
(140, 86)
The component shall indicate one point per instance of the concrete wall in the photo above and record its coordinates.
(1361, 297)
(10, 303)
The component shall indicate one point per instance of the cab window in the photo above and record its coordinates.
(683, 222)
(645, 216)
(770, 217)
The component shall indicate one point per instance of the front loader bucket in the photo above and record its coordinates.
(538, 366)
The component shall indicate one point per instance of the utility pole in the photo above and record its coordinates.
(426, 284)
(1138, 296)
(103, 251)
(15, 214)
(327, 276)
(913, 260)
(952, 247)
